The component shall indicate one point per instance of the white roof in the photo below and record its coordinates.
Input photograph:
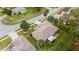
(51, 38)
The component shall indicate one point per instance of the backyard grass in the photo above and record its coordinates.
(31, 12)
(75, 12)
(65, 39)
(63, 42)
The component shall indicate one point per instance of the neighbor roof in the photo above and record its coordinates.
(19, 9)
(22, 44)
(44, 30)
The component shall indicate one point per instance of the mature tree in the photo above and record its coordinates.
(24, 25)
(52, 19)
(46, 12)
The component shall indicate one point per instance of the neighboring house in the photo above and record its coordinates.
(18, 10)
(20, 44)
(44, 31)
(64, 15)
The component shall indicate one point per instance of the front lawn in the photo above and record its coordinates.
(4, 42)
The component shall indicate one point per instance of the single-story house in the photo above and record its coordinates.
(44, 31)
(21, 44)
(18, 10)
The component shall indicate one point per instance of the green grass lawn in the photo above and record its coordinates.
(63, 42)
(4, 42)
(31, 12)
